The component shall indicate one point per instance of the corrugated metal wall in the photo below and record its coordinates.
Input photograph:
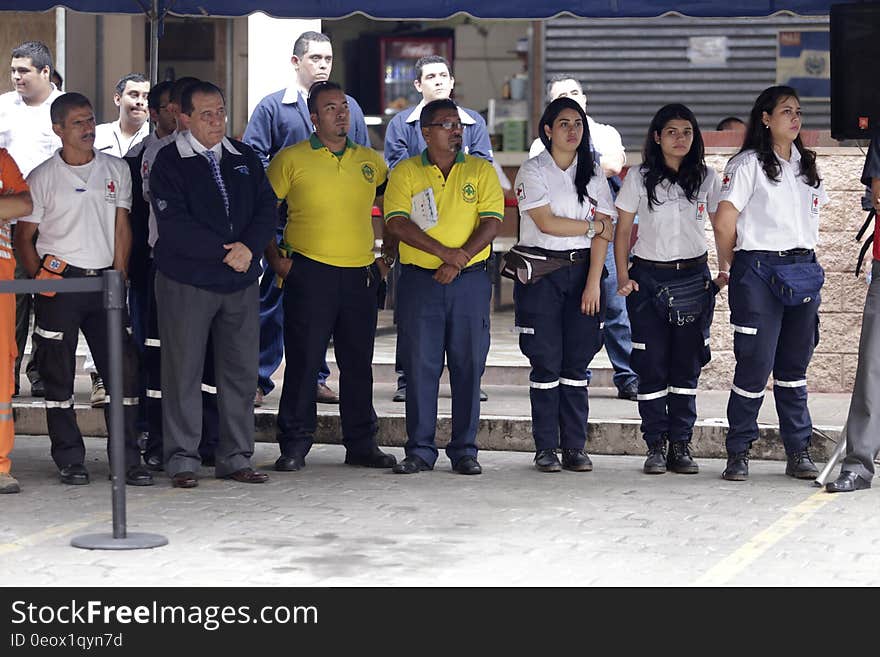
(631, 67)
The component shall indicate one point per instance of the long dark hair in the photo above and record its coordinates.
(692, 170)
(759, 140)
(585, 164)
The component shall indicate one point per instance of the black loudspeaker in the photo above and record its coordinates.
(855, 70)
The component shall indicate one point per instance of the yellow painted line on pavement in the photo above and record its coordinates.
(732, 565)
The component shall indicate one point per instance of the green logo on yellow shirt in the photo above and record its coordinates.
(469, 193)
(369, 172)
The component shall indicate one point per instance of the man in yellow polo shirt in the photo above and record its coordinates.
(331, 279)
(445, 208)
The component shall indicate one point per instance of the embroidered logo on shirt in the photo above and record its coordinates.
(369, 173)
(109, 190)
(469, 193)
(726, 180)
(521, 192)
(243, 170)
(814, 204)
(701, 210)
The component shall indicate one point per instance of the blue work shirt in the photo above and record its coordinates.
(403, 138)
(282, 119)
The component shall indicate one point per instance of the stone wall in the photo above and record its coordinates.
(833, 367)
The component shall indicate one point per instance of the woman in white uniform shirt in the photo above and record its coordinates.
(565, 205)
(673, 192)
(767, 226)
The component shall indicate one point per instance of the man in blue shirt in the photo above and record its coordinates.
(282, 119)
(403, 139)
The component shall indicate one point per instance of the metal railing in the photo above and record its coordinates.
(113, 287)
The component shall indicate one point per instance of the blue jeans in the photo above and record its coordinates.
(618, 337)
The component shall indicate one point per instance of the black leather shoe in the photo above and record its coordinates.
(74, 475)
(467, 465)
(290, 463)
(576, 460)
(655, 463)
(630, 392)
(483, 395)
(801, 466)
(737, 466)
(411, 465)
(38, 389)
(679, 459)
(138, 475)
(185, 479)
(153, 463)
(847, 482)
(247, 476)
(375, 458)
(400, 395)
(547, 461)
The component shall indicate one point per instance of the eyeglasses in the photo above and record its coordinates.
(447, 125)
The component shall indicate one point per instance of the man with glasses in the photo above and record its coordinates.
(403, 139)
(216, 212)
(445, 208)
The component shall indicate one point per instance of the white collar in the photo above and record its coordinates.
(416, 114)
(189, 146)
(292, 94)
(794, 159)
(49, 99)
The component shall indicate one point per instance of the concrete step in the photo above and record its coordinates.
(505, 423)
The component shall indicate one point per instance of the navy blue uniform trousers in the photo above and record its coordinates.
(321, 300)
(769, 336)
(559, 341)
(437, 321)
(667, 358)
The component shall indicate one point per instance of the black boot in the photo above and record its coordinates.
(680, 460)
(656, 461)
(800, 465)
(737, 466)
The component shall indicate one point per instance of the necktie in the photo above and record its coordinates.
(215, 171)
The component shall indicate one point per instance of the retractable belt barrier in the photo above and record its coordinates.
(111, 284)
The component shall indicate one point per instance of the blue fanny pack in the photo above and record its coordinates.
(793, 284)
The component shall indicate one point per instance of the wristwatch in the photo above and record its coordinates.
(591, 230)
(388, 259)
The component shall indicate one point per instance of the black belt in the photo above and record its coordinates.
(782, 254)
(575, 255)
(672, 264)
(477, 266)
(78, 272)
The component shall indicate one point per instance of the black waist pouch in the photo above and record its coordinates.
(528, 266)
(686, 300)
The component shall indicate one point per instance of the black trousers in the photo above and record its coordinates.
(58, 321)
(319, 301)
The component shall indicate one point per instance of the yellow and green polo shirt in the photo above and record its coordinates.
(329, 200)
(470, 193)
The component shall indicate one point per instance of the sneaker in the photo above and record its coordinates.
(679, 459)
(737, 466)
(656, 461)
(800, 465)
(99, 394)
(8, 484)
(258, 398)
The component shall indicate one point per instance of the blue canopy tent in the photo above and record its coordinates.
(156, 10)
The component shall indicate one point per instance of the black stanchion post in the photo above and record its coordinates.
(114, 304)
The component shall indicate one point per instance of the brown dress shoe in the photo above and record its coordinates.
(325, 395)
(185, 479)
(248, 476)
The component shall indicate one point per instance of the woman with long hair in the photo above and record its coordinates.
(669, 294)
(565, 206)
(767, 227)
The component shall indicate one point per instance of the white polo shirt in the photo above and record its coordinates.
(675, 228)
(109, 138)
(540, 181)
(152, 146)
(75, 207)
(26, 132)
(773, 216)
